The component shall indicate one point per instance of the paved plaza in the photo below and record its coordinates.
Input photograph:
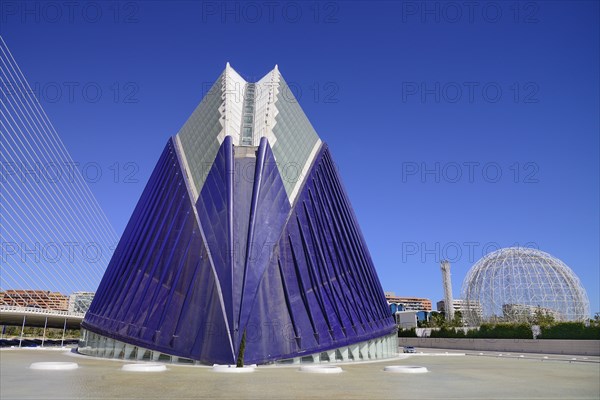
(469, 376)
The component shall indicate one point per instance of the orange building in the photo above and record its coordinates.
(35, 298)
(410, 303)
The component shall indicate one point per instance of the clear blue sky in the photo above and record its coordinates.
(423, 109)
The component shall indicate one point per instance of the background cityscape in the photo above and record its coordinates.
(447, 151)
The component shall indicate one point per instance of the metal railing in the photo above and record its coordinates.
(43, 311)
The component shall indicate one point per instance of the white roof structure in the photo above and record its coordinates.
(248, 111)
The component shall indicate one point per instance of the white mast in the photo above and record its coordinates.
(448, 301)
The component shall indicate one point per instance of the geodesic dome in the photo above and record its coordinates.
(514, 283)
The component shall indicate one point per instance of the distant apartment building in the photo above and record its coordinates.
(407, 303)
(34, 298)
(462, 306)
(519, 312)
(79, 302)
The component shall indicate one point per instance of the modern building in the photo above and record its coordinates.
(79, 302)
(244, 238)
(459, 305)
(407, 303)
(396, 307)
(423, 316)
(406, 319)
(35, 299)
(462, 306)
(524, 312)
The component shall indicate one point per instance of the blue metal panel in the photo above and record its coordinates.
(215, 210)
(269, 211)
(319, 291)
(243, 188)
(297, 280)
(159, 291)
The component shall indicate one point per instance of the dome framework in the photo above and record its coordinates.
(514, 284)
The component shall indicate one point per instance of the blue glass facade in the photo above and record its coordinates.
(204, 263)
(297, 280)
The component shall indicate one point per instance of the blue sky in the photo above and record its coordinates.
(457, 130)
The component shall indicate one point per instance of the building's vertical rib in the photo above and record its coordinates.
(288, 305)
(258, 175)
(302, 289)
(229, 179)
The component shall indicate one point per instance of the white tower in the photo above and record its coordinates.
(448, 301)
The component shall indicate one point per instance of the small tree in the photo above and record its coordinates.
(240, 358)
(438, 319)
(596, 320)
(457, 321)
(542, 318)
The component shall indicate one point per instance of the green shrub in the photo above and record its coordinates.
(571, 330)
(557, 330)
(448, 333)
(407, 332)
(501, 331)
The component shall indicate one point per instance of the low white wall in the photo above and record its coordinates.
(549, 346)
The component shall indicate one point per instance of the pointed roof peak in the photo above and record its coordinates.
(275, 114)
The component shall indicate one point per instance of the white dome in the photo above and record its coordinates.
(511, 284)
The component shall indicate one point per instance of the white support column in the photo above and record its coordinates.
(44, 334)
(118, 348)
(94, 343)
(22, 330)
(128, 350)
(110, 347)
(371, 349)
(386, 347)
(102, 346)
(344, 352)
(331, 355)
(155, 355)
(364, 350)
(62, 342)
(354, 351)
(141, 352)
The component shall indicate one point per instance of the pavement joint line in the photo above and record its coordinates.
(537, 358)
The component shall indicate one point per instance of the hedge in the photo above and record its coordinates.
(571, 330)
(407, 332)
(561, 330)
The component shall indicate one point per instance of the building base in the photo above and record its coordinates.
(96, 345)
